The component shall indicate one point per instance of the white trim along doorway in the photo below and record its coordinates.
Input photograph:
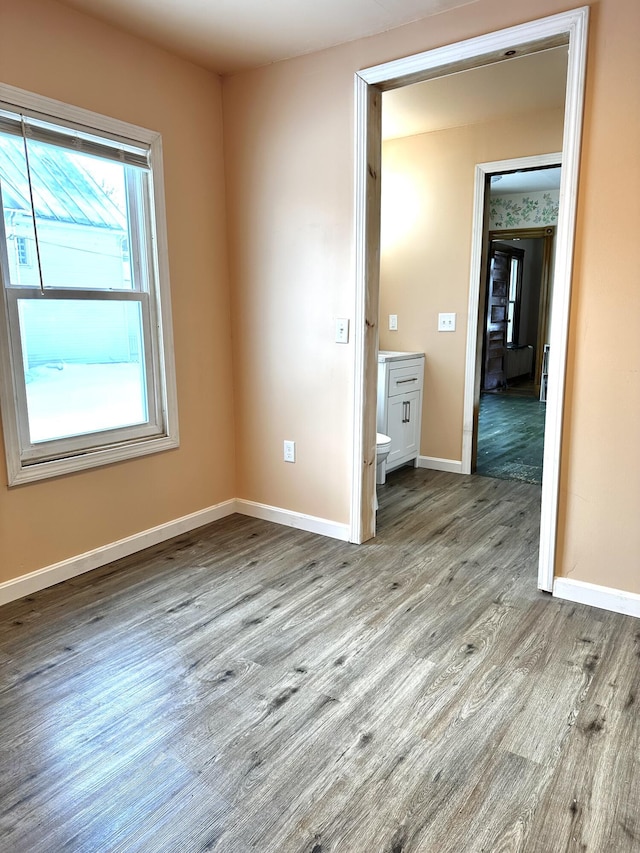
(568, 28)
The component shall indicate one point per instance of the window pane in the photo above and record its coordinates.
(83, 364)
(513, 282)
(81, 216)
(17, 213)
(512, 307)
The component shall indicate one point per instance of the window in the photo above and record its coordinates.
(513, 314)
(87, 363)
(21, 251)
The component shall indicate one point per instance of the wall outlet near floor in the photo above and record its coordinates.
(393, 322)
(289, 451)
(446, 322)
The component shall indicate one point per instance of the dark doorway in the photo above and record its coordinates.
(504, 294)
(511, 416)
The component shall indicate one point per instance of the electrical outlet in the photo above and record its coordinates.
(446, 322)
(289, 451)
(342, 330)
(393, 322)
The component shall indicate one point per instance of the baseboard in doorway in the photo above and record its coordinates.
(74, 566)
(435, 463)
(604, 597)
(310, 523)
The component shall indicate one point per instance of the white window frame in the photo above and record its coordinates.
(27, 462)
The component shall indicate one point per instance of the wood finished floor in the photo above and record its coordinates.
(251, 687)
(511, 436)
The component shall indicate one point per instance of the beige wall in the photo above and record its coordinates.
(288, 151)
(49, 49)
(289, 164)
(599, 533)
(427, 214)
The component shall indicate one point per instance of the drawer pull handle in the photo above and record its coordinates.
(404, 381)
(406, 411)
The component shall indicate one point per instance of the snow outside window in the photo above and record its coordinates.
(87, 362)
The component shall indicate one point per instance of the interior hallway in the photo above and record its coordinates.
(254, 687)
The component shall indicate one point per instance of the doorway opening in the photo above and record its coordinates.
(564, 29)
(516, 293)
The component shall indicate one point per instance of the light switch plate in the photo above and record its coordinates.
(446, 322)
(342, 330)
(289, 451)
(393, 322)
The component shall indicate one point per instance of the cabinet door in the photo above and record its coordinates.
(403, 427)
(412, 424)
(395, 428)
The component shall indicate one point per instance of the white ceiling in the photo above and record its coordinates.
(509, 88)
(526, 182)
(227, 36)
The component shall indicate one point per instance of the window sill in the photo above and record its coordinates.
(35, 471)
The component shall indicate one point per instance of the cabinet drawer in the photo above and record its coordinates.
(406, 378)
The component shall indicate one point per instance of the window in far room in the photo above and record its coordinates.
(515, 288)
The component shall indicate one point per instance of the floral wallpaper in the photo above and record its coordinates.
(522, 211)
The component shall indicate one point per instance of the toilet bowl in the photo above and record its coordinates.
(383, 446)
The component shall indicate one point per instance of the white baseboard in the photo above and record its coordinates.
(454, 466)
(580, 592)
(310, 523)
(604, 597)
(74, 566)
(50, 575)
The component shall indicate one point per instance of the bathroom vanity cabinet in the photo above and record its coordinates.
(399, 413)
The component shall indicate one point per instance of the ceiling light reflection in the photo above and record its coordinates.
(400, 208)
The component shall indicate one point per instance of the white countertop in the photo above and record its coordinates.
(390, 355)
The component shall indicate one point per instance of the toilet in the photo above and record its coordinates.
(383, 446)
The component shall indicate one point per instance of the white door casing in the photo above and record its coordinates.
(565, 28)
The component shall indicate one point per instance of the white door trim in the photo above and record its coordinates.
(550, 478)
(471, 386)
(567, 27)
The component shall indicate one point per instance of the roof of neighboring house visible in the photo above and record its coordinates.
(63, 190)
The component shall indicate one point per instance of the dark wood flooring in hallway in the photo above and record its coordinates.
(511, 436)
(251, 687)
